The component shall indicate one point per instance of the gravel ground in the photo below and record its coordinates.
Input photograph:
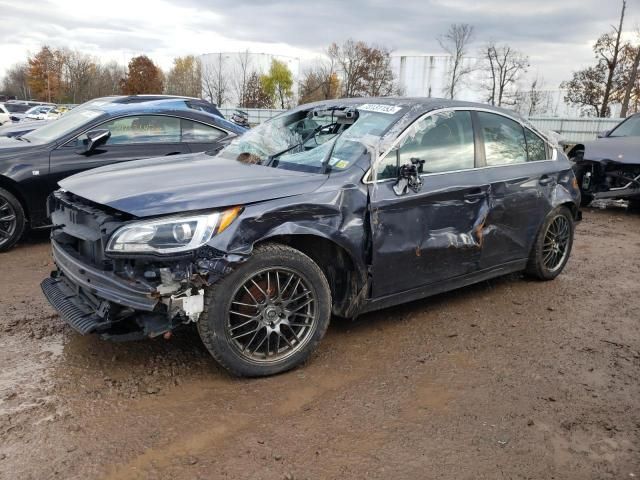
(510, 378)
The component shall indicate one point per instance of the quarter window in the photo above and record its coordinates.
(504, 140)
(195, 132)
(536, 147)
(443, 140)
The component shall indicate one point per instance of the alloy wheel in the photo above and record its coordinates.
(556, 243)
(271, 316)
(8, 221)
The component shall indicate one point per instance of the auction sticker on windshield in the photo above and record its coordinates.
(380, 108)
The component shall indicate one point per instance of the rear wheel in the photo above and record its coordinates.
(552, 247)
(268, 315)
(12, 220)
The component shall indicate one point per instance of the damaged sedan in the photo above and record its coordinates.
(609, 167)
(334, 208)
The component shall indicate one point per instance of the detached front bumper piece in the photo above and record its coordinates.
(71, 308)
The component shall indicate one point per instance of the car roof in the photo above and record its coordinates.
(418, 104)
(161, 104)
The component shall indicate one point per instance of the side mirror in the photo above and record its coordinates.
(604, 134)
(409, 177)
(95, 139)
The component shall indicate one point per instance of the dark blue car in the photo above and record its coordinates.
(97, 133)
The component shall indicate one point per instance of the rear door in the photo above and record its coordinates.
(132, 138)
(522, 177)
(435, 234)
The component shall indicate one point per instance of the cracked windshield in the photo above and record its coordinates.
(313, 140)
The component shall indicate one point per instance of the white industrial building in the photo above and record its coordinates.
(232, 66)
(427, 76)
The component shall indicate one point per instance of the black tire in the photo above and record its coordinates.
(12, 220)
(215, 326)
(539, 265)
(634, 205)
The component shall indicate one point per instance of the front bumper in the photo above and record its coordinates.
(104, 285)
(89, 299)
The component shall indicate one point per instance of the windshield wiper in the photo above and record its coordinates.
(271, 158)
(22, 139)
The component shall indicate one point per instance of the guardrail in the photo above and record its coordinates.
(571, 129)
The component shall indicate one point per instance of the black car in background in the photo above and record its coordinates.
(609, 167)
(337, 207)
(98, 133)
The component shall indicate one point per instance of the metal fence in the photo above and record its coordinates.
(575, 129)
(569, 129)
(256, 115)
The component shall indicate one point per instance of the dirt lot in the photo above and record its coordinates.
(510, 378)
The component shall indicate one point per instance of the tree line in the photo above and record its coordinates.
(351, 69)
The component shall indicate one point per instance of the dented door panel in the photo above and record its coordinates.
(429, 236)
(519, 201)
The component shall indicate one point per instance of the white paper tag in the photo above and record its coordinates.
(380, 108)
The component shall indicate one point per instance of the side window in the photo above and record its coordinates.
(199, 133)
(504, 141)
(443, 140)
(536, 148)
(140, 129)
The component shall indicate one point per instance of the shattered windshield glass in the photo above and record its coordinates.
(309, 140)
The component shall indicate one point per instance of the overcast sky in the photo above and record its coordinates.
(556, 34)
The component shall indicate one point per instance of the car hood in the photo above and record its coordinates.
(165, 185)
(9, 145)
(617, 149)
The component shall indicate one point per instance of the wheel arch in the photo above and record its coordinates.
(12, 186)
(346, 276)
(576, 152)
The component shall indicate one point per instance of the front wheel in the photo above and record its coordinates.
(552, 247)
(269, 314)
(12, 220)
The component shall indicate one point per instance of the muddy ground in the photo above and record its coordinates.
(511, 378)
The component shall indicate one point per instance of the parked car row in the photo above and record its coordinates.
(334, 208)
(98, 133)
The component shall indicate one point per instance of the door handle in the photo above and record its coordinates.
(545, 180)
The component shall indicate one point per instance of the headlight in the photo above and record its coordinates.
(170, 234)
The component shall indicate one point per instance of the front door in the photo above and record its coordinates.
(132, 138)
(435, 234)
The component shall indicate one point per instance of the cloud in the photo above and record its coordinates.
(556, 35)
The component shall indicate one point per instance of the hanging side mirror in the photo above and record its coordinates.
(409, 177)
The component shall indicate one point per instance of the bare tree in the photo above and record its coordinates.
(16, 81)
(107, 79)
(365, 69)
(455, 43)
(79, 72)
(504, 66)
(631, 81)
(608, 48)
(319, 82)
(215, 80)
(241, 77)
